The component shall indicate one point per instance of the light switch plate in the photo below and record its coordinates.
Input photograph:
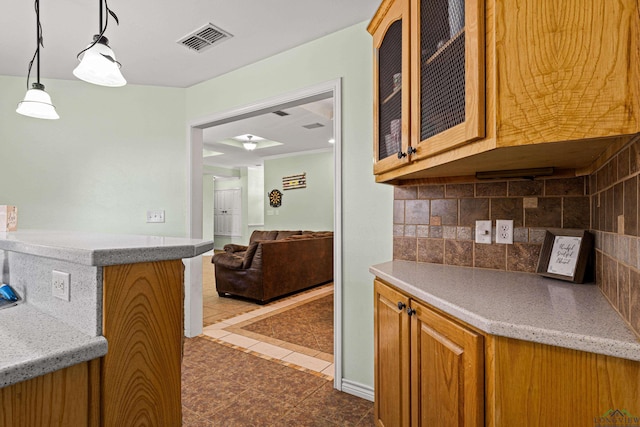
(483, 232)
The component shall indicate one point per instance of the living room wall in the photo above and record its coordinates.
(366, 206)
(114, 154)
(309, 208)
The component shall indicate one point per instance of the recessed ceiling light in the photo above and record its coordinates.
(332, 140)
(313, 126)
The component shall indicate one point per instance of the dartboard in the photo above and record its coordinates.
(275, 198)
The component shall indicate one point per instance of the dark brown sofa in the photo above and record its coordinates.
(276, 263)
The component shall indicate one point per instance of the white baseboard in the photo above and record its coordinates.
(357, 389)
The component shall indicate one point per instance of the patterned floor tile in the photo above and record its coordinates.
(336, 406)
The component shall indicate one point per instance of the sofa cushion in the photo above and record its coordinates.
(233, 248)
(323, 234)
(263, 235)
(285, 233)
(300, 237)
(249, 253)
(228, 260)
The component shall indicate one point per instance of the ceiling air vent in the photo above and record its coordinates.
(313, 126)
(281, 113)
(204, 37)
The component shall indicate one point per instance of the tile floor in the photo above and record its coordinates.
(234, 377)
(224, 386)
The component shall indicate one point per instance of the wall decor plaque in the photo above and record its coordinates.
(566, 255)
(294, 181)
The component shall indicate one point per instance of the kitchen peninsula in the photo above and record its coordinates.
(110, 352)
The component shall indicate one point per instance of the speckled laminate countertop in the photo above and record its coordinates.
(98, 249)
(34, 343)
(518, 305)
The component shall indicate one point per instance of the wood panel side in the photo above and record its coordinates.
(537, 384)
(94, 392)
(566, 70)
(60, 398)
(143, 323)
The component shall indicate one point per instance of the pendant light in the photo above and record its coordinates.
(37, 102)
(249, 145)
(98, 63)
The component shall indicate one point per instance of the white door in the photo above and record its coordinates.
(227, 212)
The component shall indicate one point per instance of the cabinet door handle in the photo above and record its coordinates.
(411, 311)
(412, 150)
(401, 305)
(401, 154)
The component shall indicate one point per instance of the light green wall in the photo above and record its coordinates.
(309, 208)
(114, 154)
(366, 206)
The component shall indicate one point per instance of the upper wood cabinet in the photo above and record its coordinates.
(447, 74)
(521, 84)
(390, 29)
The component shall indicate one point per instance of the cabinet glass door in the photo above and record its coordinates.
(391, 88)
(448, 74)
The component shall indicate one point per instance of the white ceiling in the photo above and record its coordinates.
(286, 130)
(145, 40)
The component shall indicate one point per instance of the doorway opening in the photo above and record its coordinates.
(193, 270)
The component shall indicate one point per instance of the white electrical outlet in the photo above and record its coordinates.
(155, 216)
(61, 285)
(504, 231)
(483, 232)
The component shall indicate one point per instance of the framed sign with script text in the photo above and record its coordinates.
(566, 255)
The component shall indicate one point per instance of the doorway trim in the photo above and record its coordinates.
(193, 267)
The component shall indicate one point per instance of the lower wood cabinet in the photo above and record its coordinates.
(432, 370)
(429, 369)
(67, 397)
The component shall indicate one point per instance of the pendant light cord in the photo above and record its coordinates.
(102, 29)
(39, 42)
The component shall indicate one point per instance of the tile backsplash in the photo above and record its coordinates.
(614, 206)
(435, 223)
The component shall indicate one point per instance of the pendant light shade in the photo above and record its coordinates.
(37, 104)
(98, 65)
(249, 145)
